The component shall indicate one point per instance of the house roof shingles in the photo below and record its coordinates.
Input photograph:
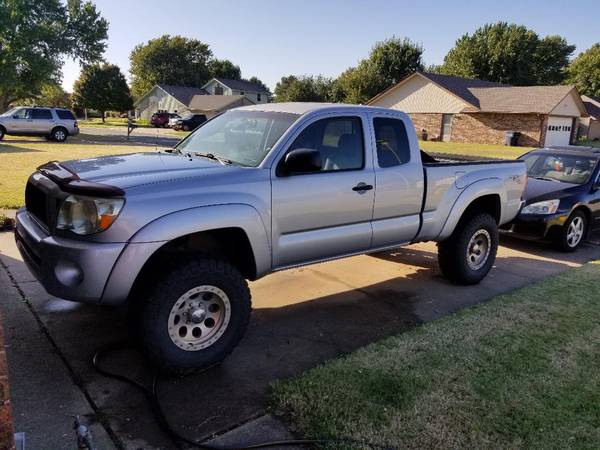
(242, 85)
(183, 94)
(462, 87)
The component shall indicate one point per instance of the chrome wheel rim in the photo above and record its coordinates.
(199, 318)
(575, 231)
(478, 250)
(59, 135)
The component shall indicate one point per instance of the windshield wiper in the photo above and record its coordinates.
(546, 179)
(218, 158)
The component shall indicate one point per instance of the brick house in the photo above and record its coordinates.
(458, 109)
(590, 126)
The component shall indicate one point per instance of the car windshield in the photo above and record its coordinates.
(9, 112)
(566, 168)
(242, 137)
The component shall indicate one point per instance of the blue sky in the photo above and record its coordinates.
(272, 38)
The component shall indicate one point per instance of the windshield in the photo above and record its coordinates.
(9, 112)
(243, 137)
(575, 169)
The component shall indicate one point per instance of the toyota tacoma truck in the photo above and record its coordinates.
(176, 234)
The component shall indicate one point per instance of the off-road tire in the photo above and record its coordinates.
(453, 256)
(151, 315)
(561, 237)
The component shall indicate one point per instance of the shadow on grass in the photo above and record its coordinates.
(7, 148)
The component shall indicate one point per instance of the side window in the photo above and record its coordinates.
(65, 114)
(391, 137)
(41, 114)
(21, 114)
(339, 140)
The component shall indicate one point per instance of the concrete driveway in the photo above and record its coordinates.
(301, 318)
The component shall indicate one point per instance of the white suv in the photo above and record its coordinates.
(53, 123)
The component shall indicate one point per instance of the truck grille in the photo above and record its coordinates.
(36, 203)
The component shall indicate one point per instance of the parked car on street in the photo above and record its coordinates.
(189, 122)
(562, 196)
(55, 124)
(162, 118)
(252, 191)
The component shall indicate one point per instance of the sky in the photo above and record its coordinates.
(273, 38)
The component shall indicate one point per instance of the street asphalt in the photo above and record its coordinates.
(301, 318)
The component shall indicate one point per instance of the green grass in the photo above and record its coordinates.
(520, 371)
(473, 150)
(588, 143)
(19, 157)
(111, 122)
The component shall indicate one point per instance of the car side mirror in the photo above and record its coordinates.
(301, 160)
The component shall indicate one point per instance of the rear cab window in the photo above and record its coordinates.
(393, 147)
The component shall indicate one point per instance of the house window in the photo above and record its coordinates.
(258, 97)
(218, 90)
(241, 92)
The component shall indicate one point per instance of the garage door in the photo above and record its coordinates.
(558, 131)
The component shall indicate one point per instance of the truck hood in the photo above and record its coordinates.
(125, 171)
(539, 190)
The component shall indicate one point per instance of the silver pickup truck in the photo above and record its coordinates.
(258, 189)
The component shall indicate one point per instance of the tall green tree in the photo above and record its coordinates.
(34, 37)
(389, 62)
(303, 89)
(223, 68)
(259, 82)
(584, 71)
(51, 94)
(169, 60)
(509, 53)
(103, 88)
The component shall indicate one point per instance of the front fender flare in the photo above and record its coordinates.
(180, 223)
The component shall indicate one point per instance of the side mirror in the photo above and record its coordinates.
(301, 160)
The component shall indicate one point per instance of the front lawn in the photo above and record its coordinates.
(19, 158)
(111, 122)
(520, 371)
(473, 150)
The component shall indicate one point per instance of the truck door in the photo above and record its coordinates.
(327, 213)
(399, 182)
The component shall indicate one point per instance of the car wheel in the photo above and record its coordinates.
(195, 317)
(2, 133)
(59, 135)
(468, 255)
(572, 233)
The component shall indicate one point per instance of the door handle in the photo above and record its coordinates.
(361, 187)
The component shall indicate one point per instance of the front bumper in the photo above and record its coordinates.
(535, 226)
(67, 268)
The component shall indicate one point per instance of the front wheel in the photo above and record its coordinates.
(2, 133)
(572, 233)
(468, 255)
(195, 317)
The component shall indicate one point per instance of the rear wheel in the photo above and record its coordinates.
(59, 134)
(572, 233)
(467, 256)
(195, 317)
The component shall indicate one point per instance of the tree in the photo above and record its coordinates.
(51, 94)
(302, 89)
(34, 37)
(169, 60)
(389, 62)
(255, 80)
(584, 71)
(223, 68)
(509, 53)
(103, 88)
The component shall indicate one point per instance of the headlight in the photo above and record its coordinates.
(88, 215)
(546, 207)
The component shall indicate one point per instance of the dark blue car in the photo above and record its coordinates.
(562, 198)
